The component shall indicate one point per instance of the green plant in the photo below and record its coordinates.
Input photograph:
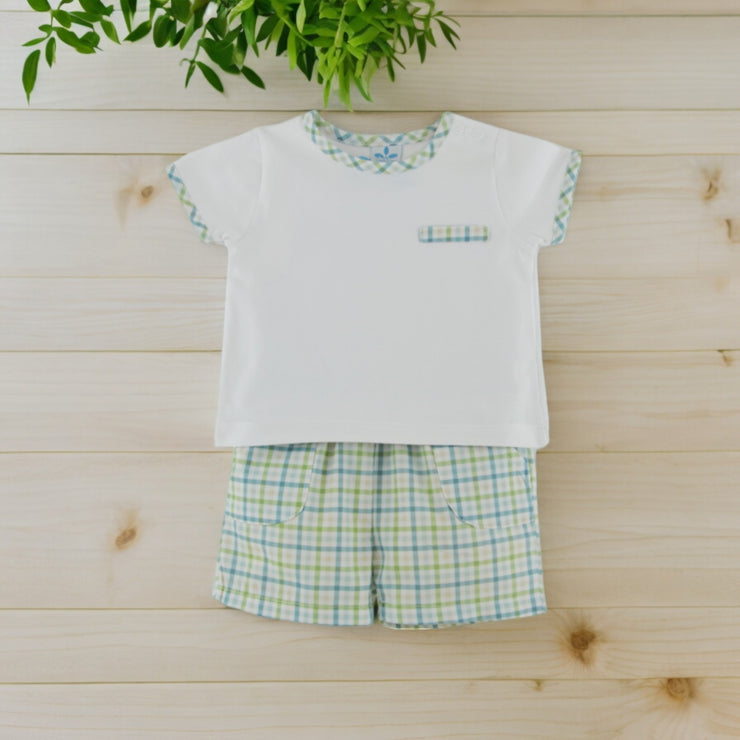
(344, 41)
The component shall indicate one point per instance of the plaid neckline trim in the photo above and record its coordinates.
(328, 137)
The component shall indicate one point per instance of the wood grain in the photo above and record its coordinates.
(372, 710)
(112, 493)
(505, 63)
(118, 216)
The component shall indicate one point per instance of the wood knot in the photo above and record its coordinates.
(721, 282)
(126, 537)
(680, 689)
(147, 191)
(726, 357)
(712, 185)
(581, 641)
(733, 230)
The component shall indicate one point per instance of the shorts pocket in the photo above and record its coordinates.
(452, 233)
(270, 484)
(487, 487)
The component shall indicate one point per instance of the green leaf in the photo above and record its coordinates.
(191, 69)
(109, 30)
(219, 24)
(71, 39)
(221, 53)
(181, 10)
(266, 28)
(93, 6)
(50, 51)
(187, 33)
(249, 20)
(30, 67)
(41, 5)
(422, 44)
(211, 76)
(343, 85)
(319, 31)
(448, 33)
(277, 32)
(253, 77)
(240, 7)
(292, 52)
(84, 19)
(64, 18)
(139, 32)
(362, 87)
(128, 13)
(91, 38)
(365, 37)
(161, 30)
(239, 48)
(300, 16)
(309, 60)
(38, 40)
(358, 54)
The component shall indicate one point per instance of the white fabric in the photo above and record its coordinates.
(340, 324)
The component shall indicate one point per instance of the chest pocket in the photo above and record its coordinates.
(490, 488)
(465, 232)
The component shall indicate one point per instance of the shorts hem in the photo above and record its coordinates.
(461, 622)
(259, 605)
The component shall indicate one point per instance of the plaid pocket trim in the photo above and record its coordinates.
(452, 233)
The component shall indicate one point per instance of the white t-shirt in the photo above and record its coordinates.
(380, 287)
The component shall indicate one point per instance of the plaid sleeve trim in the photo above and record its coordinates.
(565, 200)
(195, 216)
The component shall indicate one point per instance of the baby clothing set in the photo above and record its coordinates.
(381, 380)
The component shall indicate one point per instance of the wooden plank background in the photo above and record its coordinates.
(111, 490)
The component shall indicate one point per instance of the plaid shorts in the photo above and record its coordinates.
(411, 536)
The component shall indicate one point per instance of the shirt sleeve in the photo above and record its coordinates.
(535, 182)
(218, 185)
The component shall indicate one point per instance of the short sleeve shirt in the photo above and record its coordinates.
(380, 286)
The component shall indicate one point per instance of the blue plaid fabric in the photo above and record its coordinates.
(565, 199)
(452, 232)
(410, 536)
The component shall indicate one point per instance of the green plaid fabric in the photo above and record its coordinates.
(565, 200)
(453, 232)
(411, 536)
(186, 199)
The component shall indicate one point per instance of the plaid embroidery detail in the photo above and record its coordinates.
(378, 534)
(565, 200)
(194, 214)
(328, 137)
(453, 233)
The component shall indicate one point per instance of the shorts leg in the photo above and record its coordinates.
(296, 535)
(456, 536)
